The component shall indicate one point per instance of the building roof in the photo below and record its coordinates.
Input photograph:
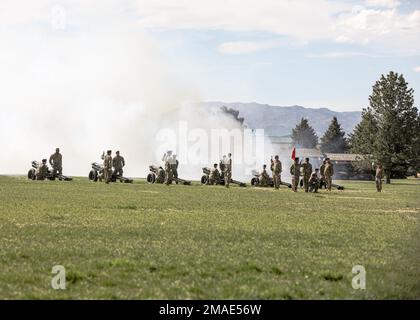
(344, 156)
(308, 153)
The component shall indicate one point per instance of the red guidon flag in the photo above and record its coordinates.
(294, 154)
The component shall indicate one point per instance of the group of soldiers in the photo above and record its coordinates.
(225, 173)
(312, 180)
(56, 162)
(112, 165)
(302, 173)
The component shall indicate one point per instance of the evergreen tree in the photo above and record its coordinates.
(362, 140)
(304, 135)
(392, 105)
(333, 139)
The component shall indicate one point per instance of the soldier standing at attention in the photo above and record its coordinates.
(214, 176)
(118, 163)
(307, 171)
(321, 171)
(42, 171)
(56, 162)
(295, 173)
(174, 167)
(379, 175)
(276, 168)
(228, 170)
(328, 173)
(222, 167)
(167, 158)
(107, 166)
(265, 178)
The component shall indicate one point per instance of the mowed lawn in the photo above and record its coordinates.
(141, 241)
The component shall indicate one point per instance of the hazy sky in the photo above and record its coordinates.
(315, 53)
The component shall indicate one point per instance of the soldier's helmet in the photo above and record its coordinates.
(264, 166)
(215, 165)
(118, 152)
(109, 152)
(276, 157)
(44, 160)
(297, 159)
(57, 150)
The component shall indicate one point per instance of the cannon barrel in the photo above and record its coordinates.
(96, 166)
(206, 170)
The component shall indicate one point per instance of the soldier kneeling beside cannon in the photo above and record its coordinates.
(40, 171)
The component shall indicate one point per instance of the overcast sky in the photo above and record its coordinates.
(315, 53)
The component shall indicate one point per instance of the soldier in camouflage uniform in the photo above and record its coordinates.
(56, 162)
(118, 163)
(42, 171)
(276, 168)
(295, 173)
(314, 181)
(174, 167)
(321, 171)
(107, 166)
(214, 176)
(264, 177)
(228, 170)
(167, 158)
(328, 173)
(307, 171)
(160, 175)
(379, 175)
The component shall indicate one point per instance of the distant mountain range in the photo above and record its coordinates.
(279, 121)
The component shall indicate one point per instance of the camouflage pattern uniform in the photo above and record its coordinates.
(214, 176)
(307, 171)
(295, 173)
(379, 175)
(160, 175)
(276, 168)
(42, 171)
(321, 171)
(167, 158)
(108, 168)
(328, 173)
(264, 178)
(118, 163)
(174, 167)
(56, 162)
(313, 182)
(228, 171)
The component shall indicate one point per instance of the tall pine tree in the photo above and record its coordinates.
(362, 140)
(333, 139)
(304, 135)
(392, 105)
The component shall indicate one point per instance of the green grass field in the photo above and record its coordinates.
(142, 241)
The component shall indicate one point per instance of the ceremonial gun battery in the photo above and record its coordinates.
(112, 168)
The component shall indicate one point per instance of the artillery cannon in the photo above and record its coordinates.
(158, 174)
(50, 175)
(97, 173)
(206, 175)
(256, 179)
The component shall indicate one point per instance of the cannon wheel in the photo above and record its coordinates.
(93, 175)
(32, 174)
(255, 182)
(151, 178)
(204, 179)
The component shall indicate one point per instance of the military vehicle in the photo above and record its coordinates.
(50, 174)
(255, 181)
(157, 175)
(97, 173)
(206, 174)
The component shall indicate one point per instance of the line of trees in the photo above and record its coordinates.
(333, 140)
(389, 131)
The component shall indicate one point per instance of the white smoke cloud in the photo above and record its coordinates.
(87, 80)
